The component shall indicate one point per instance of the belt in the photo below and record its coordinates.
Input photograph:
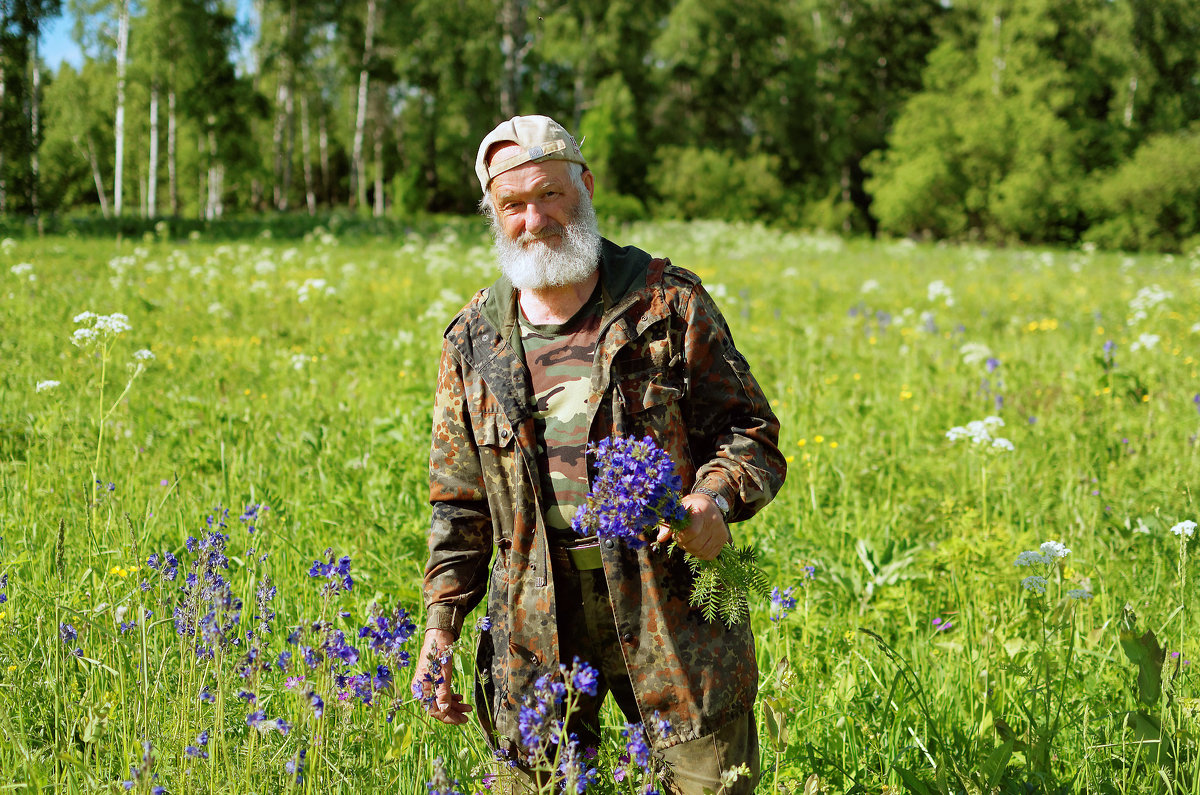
(582, 557)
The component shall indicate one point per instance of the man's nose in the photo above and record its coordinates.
(535, 218)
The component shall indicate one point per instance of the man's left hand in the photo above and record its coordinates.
(706, 534)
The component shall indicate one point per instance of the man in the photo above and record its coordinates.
(579, 340)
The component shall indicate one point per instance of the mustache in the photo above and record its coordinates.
(552, 229)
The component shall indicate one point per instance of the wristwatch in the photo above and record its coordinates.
(722, 503)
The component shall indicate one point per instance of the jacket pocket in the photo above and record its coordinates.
(641, 393)
(492, 429)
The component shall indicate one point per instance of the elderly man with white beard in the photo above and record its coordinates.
(579, 340)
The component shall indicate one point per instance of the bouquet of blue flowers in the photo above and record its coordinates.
(635, 490)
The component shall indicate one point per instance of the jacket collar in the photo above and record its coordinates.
(622, 271)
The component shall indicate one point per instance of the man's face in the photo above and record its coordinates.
(544, 227)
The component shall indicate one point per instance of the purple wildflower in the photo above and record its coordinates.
(317, 703)
(338, 574)
(295, 766)
(198, 751)
(636, 745)
(782, 602)
(635, 488)
(584, 677)
(992, 363)
(388, 635)
(67, 633)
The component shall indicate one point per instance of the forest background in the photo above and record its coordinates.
(1058, 122)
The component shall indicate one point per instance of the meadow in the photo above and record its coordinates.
(206, 499)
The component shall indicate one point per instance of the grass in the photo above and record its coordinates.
(298, 374)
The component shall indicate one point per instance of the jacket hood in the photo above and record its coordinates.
(622, 271)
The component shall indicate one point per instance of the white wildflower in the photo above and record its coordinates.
(83, 336)
(143, 355)
(1147, 299)
(42, 386)
(869, 286)
(299, 360)
(1031, 557)
(1054, 550)
(1079, 593)
(1195, 329)
(1184, 529)
(113, 324)
(975, 352)
(1000, 443)
(7, 244)
(83, 317)
(993, 422)
(938, 289)
(1034, 583)
(313, 287)
(23, 269)
(1145, 342)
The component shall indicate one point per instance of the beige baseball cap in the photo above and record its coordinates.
(540, 138)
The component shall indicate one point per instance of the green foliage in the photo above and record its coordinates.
(1152, 201)
(709, 183)
(722, 586)
(321, 408)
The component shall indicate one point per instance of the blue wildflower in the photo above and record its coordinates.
(198, 750)
(636, 745)
(67, 633)
(441, 784)
(387, 636)
(635, 488)
(584, 677)
(317, 703)
(782, 603)
(338, 574)
(295, 766)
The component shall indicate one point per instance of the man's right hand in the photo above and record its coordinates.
(447, 706)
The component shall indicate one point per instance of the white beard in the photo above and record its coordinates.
(533, 265)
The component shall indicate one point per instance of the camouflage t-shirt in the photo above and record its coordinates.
(559, 359)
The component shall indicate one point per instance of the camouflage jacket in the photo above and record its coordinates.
(665, 365)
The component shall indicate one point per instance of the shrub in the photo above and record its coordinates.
(708, 183)
(1152, 201)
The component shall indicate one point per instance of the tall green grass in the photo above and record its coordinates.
(299, 374)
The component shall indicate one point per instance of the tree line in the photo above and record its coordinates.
(1040, 121)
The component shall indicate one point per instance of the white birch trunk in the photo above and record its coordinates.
(35, 123)
(152, 168)
(379, 201)
(323, 145)
(310, 195)
(212, 209)
(119, 123)
(289, 149)
(277, 145)
(3, 184)
(359, 172)
(172, 181)
(97, 177)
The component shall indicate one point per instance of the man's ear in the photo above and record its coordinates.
(589, 182)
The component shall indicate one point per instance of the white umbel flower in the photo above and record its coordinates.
(1185, 529)
(42, 386)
